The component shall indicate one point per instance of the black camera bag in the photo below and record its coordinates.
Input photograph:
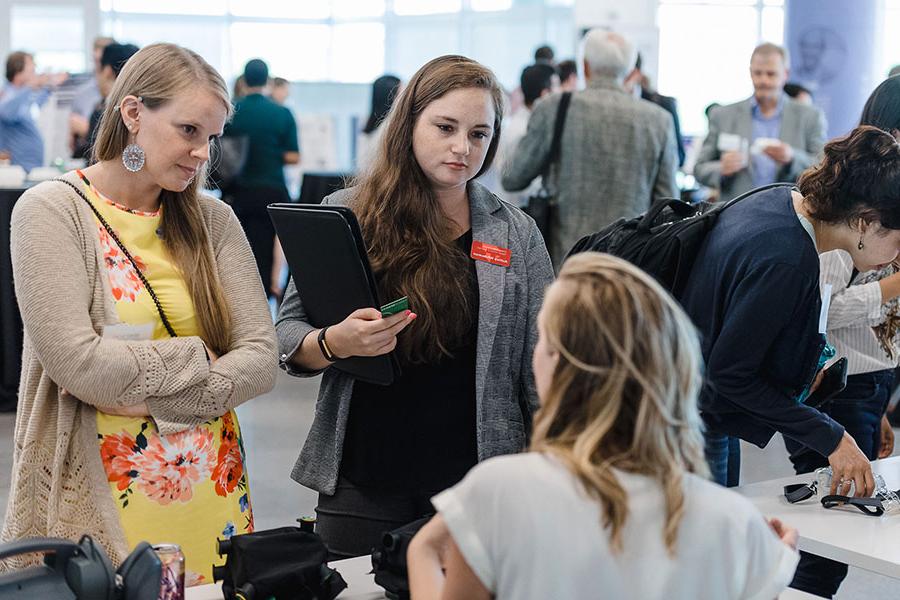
(287, 563)
(389, 559)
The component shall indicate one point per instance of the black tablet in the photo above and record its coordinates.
(328, 261)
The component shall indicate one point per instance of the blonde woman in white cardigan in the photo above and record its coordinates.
(145, 325)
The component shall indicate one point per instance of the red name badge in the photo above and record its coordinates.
(491, 254)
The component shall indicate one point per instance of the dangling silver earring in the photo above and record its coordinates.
(860, 245)
(133, 157)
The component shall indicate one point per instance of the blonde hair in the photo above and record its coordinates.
(624, 391)
(157, 74)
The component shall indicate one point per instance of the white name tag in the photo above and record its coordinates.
(826, 304)
(129, 333)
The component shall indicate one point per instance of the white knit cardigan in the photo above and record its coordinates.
(59, 487)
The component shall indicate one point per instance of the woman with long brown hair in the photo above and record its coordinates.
(474, 269)
(612, 500)
(145, 326)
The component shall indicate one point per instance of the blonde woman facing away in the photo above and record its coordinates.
(145, 325)
(612, 500)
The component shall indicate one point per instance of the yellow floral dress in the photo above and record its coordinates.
(187, 488)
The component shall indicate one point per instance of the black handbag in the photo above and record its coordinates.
(287, 563)
(81, 571)
(542, 204)
(229, 158)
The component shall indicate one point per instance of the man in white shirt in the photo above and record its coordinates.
(537, 81)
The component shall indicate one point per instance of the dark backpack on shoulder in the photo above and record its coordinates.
(665, 240)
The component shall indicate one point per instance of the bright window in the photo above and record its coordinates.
(53, 34)
(357, 52)
(490, 4)
(180, 7)
(415, 43)
(279, 9)
(295, 52)
(356, 9)
(890, 48)
(772, 25)
(712, 2)
(426, 7)
(350, 41)
(206, 37)
(506, 47)
(704, 51)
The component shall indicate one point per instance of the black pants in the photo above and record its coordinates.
(859, 409)
(249, 204)
(353, 520)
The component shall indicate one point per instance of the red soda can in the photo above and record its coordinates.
(172, 581)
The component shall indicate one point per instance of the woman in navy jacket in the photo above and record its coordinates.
(754, 294)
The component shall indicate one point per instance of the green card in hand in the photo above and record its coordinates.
(392, 308)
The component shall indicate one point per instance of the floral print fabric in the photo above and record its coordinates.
(123, 279)
(188, 488)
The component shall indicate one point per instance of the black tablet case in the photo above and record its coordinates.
(325, 251)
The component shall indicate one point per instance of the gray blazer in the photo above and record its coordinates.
(617, 156)
(505, 394)
(802, 127)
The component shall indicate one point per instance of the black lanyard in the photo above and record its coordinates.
(137, 269)
(798, 492)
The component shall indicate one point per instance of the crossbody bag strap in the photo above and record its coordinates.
(137, 269)
(558, 125)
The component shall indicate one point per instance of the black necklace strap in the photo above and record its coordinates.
(798, 492)
(137, 269)
(869, 506)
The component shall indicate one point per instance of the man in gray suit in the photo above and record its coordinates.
(767, 138)
(617, 152)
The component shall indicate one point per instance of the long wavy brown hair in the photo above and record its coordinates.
(158, 73)
(623, 394)
(408, 237)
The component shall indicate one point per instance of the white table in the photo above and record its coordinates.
(361, 584)
(792, 594)
(843, 534)
(355, 571)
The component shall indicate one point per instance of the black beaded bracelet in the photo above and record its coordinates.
(323, 346)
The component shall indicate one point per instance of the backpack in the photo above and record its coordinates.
(665, 240)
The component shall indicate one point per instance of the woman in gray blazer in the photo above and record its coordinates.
(474, 269)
